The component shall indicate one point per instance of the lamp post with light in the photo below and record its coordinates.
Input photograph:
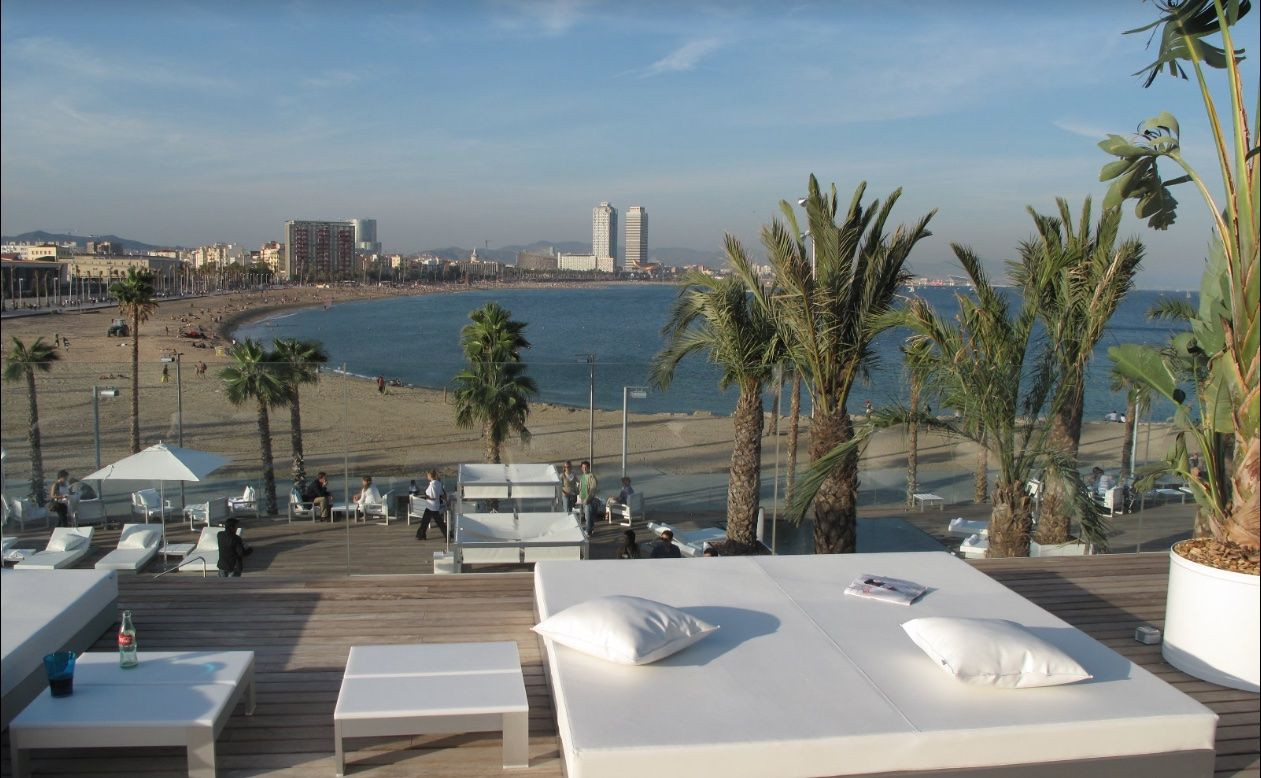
(97, 393)
(629, 392)
(590, 360)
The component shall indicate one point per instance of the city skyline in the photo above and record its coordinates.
(472, 125)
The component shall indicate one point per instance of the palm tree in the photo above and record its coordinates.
(1137, 399)
(493, 390)
(826, 308)
(253, 375)
(983, 365)
(301, 360)
(794, 432)
(1078, 278)
(717, 317)
(21, 364)
(134, 294)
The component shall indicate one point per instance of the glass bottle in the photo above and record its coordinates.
(128, 651)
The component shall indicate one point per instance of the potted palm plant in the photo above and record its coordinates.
(1211, 617)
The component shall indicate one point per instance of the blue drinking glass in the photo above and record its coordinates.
(59, 666)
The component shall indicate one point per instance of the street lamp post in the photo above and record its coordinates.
(179, 409)
(97, 393)
(590, 360)
(638, 393)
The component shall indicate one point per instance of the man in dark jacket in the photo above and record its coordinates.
(318, 495)
(232, 550)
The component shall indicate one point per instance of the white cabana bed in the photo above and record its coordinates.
(517, 538)
(503, 482)
(801, 680)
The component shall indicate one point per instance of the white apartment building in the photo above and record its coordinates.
(221, 254)
(584, 262)
(31, 251)
(604, 230)
(636, 236)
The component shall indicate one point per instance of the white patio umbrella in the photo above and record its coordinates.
(161, 463)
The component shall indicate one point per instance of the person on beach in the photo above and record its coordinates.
(664, 548)
(381, 384)
(232, 550)
(166, 375)
(587, 484)
(435, 505)
(629, 548)
(318, 495)
(59, 498)
(568, 485)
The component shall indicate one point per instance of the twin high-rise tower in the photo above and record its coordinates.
(604, 233)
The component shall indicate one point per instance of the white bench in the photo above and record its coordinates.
(434, 688)
(173, 698)
(925, 498)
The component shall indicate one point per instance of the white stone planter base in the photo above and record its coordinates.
(1213, 624)
(1072, 548)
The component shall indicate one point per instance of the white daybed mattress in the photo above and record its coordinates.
(803, 681)
(485, 481)
(508, 538)
(46, 611)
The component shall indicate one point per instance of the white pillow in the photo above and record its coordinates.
(623, 629)
(140, 538)
(66, 542)
(993, 652)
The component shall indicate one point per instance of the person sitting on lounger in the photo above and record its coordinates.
(664, 548)
(618, 501)
(59, 498)
(232, 550)
(629, 548)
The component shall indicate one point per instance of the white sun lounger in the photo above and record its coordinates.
(691, 543)
(53, 557)
(207, 549)
(800, 680)
(137, 544)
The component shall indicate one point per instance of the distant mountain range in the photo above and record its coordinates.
(669, 255)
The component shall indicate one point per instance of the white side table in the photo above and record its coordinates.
(928, 498)
(434, 688)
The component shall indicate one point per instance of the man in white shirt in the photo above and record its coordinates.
(435, 505)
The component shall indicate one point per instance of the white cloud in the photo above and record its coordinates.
(1078, 128)
(78, 61)
(683, 58)
(332, 78)
(552, 17)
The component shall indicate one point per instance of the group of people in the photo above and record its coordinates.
(579, 490)
(434, 493)
(662, 548)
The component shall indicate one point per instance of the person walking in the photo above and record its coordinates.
(587, 485)
(435, 506)
(232, 550)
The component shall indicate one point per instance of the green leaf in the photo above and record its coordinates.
(1114, 169)
(1119, 146)
(1145, 366)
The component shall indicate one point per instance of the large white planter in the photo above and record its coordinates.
(1072, 548)
(1212, 624)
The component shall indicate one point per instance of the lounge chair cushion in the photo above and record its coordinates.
(66, 542)
(993, 652)
(139, 538)
(623, 629)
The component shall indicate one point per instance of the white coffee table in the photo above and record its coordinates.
(174, 698)
(434, 688)
(927, 498)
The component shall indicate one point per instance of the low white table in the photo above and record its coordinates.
(176, 550)
(434, 688)
(925, 498)
(174, 698)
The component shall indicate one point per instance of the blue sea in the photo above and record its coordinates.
(416, 340)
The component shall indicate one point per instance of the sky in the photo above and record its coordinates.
(501, 123)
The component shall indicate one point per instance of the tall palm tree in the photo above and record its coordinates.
(493, 390)
(718, 318)
(301, 360)
(21, 364)
(826, 307)
(134, 294)
(1078, 277)
(252, 375)
(1137, 399)
(794, 432)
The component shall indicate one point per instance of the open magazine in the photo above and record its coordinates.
(885, 589)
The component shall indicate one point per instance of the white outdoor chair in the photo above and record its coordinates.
(377, 510)
(87, 511)
(415, 508)
(66, 546)
(300, 508)
(24, 511)
(148, 503)
(246, 503)
(206, 551)
(208, 512)
(1112, 500)
(625, 513)
(137, 545)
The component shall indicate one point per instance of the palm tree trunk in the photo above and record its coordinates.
(135, 382)
(1127, 445)
(38, 494)
(912, 447)
(295, 441)
(269, 465)
(794, 427)
(981, 478)
(1057, 502)
(492, 445)
(836, 504)
(746, 467)
(1010, 521)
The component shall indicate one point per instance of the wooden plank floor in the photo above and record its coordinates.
(299, 611)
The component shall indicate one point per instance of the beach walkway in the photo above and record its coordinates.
(299, 611)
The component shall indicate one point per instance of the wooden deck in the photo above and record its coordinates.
(301, 624)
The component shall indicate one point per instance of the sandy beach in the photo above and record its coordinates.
(351, 429)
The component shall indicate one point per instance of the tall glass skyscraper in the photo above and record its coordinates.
(604, 230)
(636, 236)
